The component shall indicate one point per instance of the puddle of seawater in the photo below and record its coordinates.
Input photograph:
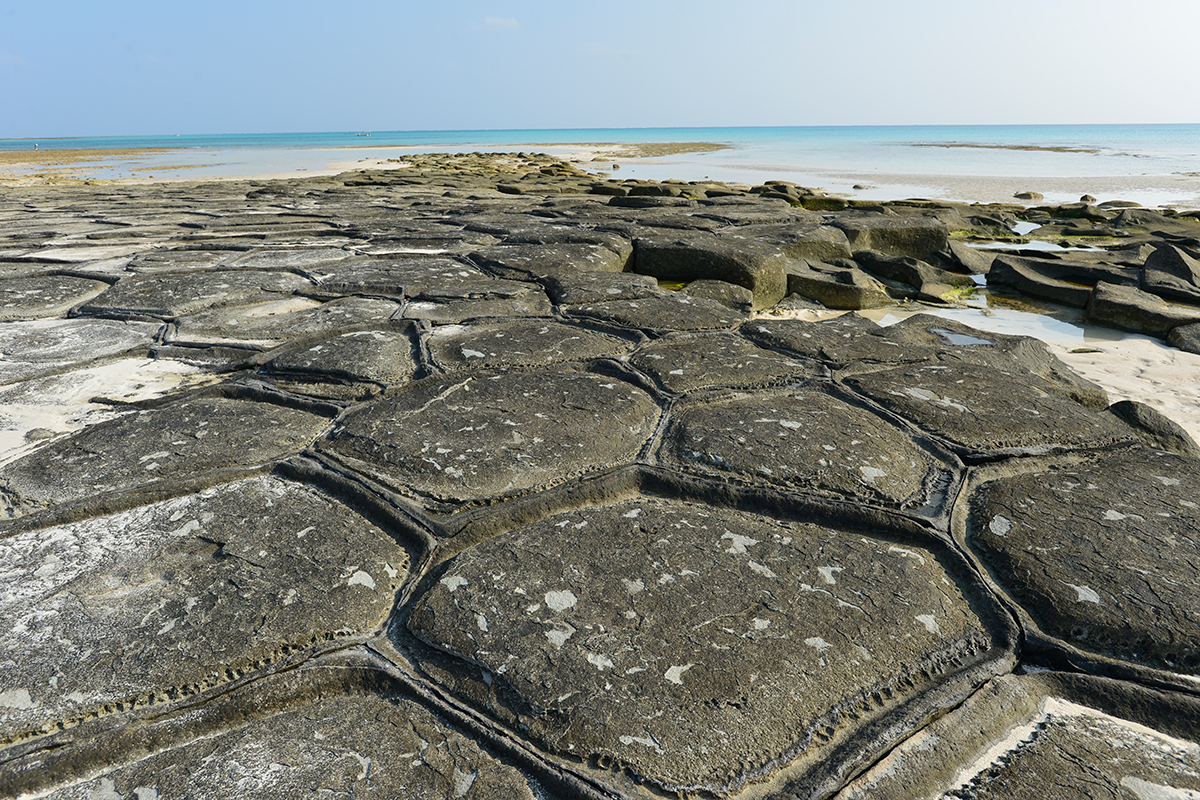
(61, 404)
(1035, 244)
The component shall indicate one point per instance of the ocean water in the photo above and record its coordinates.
(1160, 163)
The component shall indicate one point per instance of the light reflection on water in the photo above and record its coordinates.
(1054, 324)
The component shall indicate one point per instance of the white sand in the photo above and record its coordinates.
(1144, 369)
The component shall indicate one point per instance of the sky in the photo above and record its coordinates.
(86, 68)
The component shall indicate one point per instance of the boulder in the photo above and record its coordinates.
(931, 284)
(972, 259)
(836, 287)
(759, 267)
(1172, 273)
(1186, 338)
(916, 236)
(1155, 428)
(1131, 309)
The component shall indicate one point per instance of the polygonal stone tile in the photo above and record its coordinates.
(396, 276)
(158, 294)
(803, 440)
(701, 649)
(838, 342)
(177, 260)
(983, 409)
(168, 443)
(1048, 735)
(469, 438)
(1102, 555)
(383, 355)
(353, 746)
(665, 312)
(45, 295)
(485, 298)
(576, 288)
(41, 346)
(536, 260)
(688, 363)
(520, 343)
(182, 594)
(276, 323)
(292, 258)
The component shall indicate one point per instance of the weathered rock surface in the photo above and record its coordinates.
(44, 296)
(670, 654)
(167, 599)
(484, 435)
(142, 448)
(1117, 580)
(404, 483)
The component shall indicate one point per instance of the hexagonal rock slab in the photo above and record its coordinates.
(1048, 735)
(45, 295)
(470, 438)
(181, 595)
(164, 295)
(521, 343)
(688, 363)
(705, 648)
(42, 346)
(667, 312)
(986, 410)
(275, 324)
(484, 298)
(803, 440)
(385, 355)
(353, 746)
(168, 443)
(396, 276)
(1102, 555)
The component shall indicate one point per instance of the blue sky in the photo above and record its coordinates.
(76, 68)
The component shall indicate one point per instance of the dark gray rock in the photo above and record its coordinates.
(759, 267)
(836, 287)
(396, 277)
(707, 647)
(484, 298)
(383, 355)
(664, 312)
(1119, 579)
(1030, 276)
(810, 241)
(1131, 309)
(804, 440)
(681, 364)
(44, 296)
(165, 444)
(275, 324)
(166, 295)
(518, 343)
(572, 289)
(931, 283)
(736, 297)
(1156, 429)
(530, 261)
(481, 436)
(980, 410)
(1173, 274)
(181, 595)
(1186, 337)
(305, 258)
(44, 346)
(972, 259)
(918, 237)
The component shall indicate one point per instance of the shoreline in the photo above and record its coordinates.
(640, 160)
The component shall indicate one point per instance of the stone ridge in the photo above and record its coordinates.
(482, 477)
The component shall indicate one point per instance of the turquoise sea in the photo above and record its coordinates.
(1157, 163)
